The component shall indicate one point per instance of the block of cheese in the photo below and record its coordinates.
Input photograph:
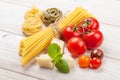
(45, 61)
(59, 42)
(69, 59)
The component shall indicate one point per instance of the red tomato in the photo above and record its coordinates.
(90, 24)
(76, 46)
(93, 39)
(84, 61)
(95, 62)
(71, 31)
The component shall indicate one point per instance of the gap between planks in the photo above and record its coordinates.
(23, 5)
(16, 73)
(11, 32)
(10, 2)
(23, 35)
(8, 32)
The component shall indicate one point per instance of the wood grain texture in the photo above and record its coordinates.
(10, 58)
(8, 75)
(110, 45)
(11, 17)
(11, 20)
(12, 13)
(107, 11)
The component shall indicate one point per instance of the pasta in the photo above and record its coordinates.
(33, 45)
(32, 21)
(76, 16)
(34, 12)
(31, 25)
(37, 45)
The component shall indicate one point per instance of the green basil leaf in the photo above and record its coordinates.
(57, 58)
(54, 50)
(62, 66)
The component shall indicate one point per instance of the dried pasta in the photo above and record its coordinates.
(74, 17)
(33, 45)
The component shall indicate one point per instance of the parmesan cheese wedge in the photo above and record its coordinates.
(45, 61)
(69, 59)
(59, 42)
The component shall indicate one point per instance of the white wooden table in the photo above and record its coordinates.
(11, 19)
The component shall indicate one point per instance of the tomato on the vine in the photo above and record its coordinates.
(76, 46)
(93, 39)
(90, 24)
(71, 31)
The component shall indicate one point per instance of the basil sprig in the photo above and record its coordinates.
(54, 51)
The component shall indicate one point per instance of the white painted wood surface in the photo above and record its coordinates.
(8, 75)
(11, 19)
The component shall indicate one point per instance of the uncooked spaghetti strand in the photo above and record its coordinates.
(26, 43)
(80, 18)
(30, 47)
(77, 18)
(68, 19)
(30, 40)
(72, 18)
(38, 49)
(63, 25)
(69, 15)
(36, 38)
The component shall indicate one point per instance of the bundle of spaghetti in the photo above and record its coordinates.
(75, 17)
(33, 45)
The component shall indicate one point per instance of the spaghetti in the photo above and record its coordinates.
(33, 45)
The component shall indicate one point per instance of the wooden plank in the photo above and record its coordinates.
(110, 45)
(111, 41)
(10, 58)
(8, 75)
(107, 11)
(11, 17)
(13, 21)
(109, 70)
(43, 4)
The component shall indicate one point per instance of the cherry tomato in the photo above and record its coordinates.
(93, 39)
(95, 63)
(97, 53)
(84, 61)
(76, 46)
(71, 31)
(90, 24)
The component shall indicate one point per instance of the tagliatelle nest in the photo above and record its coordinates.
(31, 25)
(32, 21)
(50, 15)
(34, 12)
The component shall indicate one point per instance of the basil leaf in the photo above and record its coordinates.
(62, 66)
(53, 50)
(59, 57)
